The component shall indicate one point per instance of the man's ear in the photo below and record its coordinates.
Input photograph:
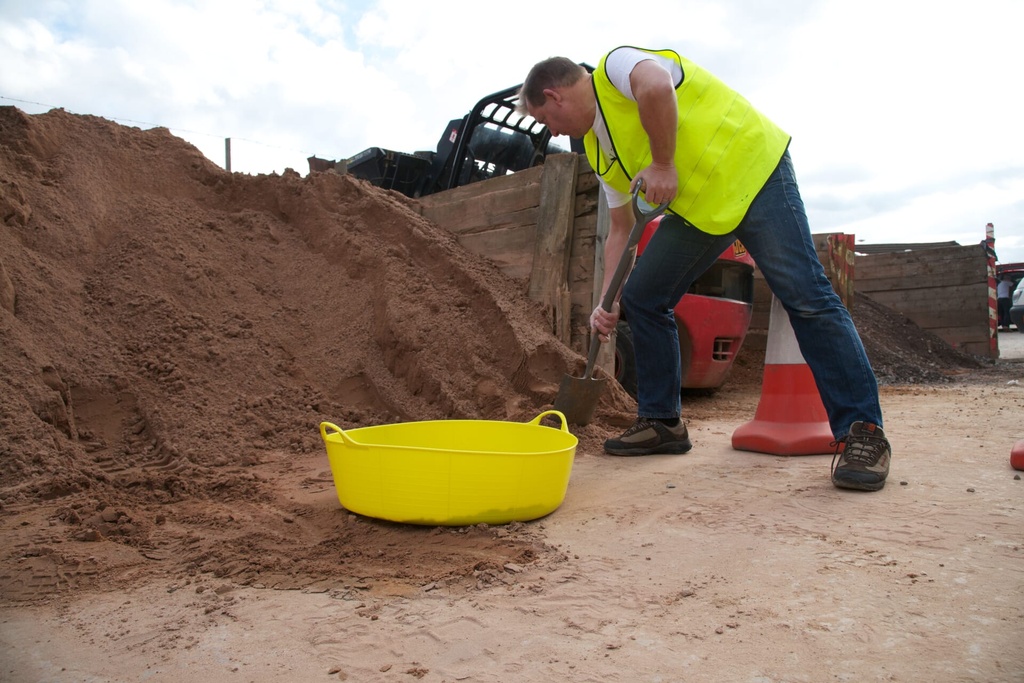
(553, 95)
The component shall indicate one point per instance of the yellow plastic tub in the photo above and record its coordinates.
(452, 472)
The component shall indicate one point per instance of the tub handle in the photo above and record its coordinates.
(536, 420)
(324, 426)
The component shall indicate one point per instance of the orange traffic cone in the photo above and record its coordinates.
(1017, 455)
(790, 418)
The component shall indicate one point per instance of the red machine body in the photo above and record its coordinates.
(713, 318)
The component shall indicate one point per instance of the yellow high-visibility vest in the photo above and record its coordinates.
(725, 149)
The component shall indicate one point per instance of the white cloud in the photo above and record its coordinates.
(887, 101)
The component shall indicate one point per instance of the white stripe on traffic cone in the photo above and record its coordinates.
(790, 418)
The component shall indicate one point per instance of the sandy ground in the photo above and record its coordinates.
(171, 335)
(715, 566)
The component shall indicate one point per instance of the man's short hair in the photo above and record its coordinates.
(554, 72)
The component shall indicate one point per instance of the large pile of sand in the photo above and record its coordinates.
(166, 325)
(159, 308)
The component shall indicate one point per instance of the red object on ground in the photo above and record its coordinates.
(1017, 455)
(790, 418)
(711, 332)
(713, 317)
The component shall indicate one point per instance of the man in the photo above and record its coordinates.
(1003, 289)
(657, 119)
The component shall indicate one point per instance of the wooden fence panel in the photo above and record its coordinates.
(498, 219)
(943, 289)
(549, 277)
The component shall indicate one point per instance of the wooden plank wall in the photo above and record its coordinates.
(503, 220)
(943, 290)
(495, 218)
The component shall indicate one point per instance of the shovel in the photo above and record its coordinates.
(577, 397)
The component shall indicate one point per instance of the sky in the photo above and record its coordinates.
(905, 114)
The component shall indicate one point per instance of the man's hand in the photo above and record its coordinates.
(659, 183)
(603, 322)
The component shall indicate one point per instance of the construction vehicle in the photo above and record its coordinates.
(493, 140)
(713, 318)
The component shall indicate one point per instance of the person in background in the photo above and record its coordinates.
(1003, 289)
(655, 118)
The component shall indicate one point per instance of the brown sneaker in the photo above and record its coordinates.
(863, 462)
(650, 437)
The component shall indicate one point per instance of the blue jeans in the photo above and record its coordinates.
(778, 237)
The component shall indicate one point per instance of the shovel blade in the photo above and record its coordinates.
(577, 398)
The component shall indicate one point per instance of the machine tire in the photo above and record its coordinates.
(625, 358)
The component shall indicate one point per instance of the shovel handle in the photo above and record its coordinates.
(623, 268)
(629, 252)
(595, 346)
